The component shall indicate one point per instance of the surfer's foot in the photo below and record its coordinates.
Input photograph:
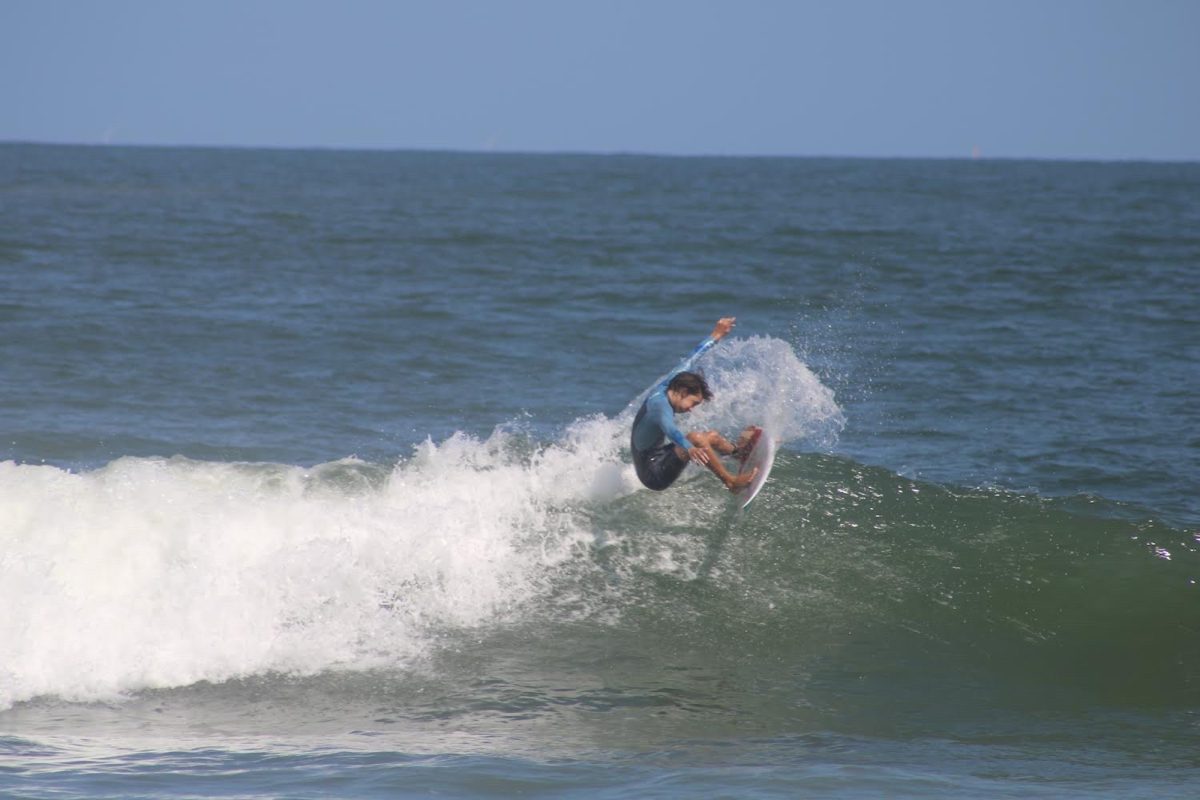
(746, 442)
(738, 482)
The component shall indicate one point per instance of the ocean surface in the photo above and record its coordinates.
(315, 481)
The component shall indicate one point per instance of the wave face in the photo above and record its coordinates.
(858, 595)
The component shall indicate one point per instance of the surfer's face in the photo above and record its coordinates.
(683, 403)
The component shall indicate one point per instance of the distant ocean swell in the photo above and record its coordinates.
(163, 572)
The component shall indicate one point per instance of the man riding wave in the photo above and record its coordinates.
(660, 449)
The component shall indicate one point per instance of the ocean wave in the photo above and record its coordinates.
(165, 572)
(160, 572)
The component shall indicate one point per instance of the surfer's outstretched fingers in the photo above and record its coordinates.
(723, 327)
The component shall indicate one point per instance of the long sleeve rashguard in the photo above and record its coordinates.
(655, 420)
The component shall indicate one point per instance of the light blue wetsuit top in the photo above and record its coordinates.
(656, 419)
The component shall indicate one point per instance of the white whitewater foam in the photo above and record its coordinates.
(164, 572)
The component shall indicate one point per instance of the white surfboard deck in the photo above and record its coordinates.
(762, 457)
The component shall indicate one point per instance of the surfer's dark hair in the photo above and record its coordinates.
(690, 383)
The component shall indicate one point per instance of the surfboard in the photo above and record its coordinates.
(762, 456)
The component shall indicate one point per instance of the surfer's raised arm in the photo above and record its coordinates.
(720, 330)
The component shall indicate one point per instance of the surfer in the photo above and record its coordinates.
(660, 449)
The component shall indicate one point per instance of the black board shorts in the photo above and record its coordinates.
(658, 467)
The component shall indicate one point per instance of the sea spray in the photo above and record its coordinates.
(761, 381)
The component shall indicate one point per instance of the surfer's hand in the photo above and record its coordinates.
(698, 454)
(724, 325)
(739, 482)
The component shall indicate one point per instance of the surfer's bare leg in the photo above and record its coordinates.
(711, 439)
(715, 445)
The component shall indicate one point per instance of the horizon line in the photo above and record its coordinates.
(591, 153)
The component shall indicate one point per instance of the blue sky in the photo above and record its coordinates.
(943, 78)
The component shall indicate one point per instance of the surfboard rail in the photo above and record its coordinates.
(762, 457)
